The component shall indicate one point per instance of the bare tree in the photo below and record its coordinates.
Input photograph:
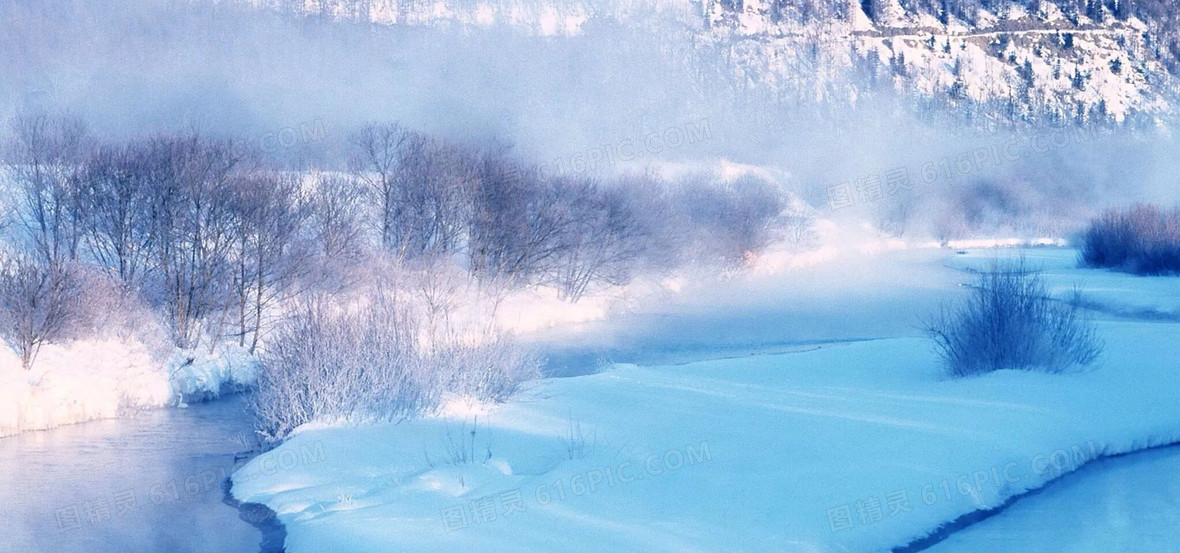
(44, 155)
(193, 233)
(497, 216)
(893, 216)
(376, 159)
(36, 302)
(433, 195)
(658, 224)
(419, 187)
(116, 200)
(799, 229)
(268, 252)
(728, 222)
(336, 225)
(517, 223)
(601, 240)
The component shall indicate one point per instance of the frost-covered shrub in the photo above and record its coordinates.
(1143, 240)
(334, 361)
(488, 369)
(1010, 322)
(107, 310)
(379, 356)
(456, 320)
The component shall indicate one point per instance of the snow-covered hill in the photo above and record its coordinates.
(1091, 61)
(1048, 62)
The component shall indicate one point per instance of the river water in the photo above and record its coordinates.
(146, 483)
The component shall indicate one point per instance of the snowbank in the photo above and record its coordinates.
(201, 375)
(98, 379)
(843, 447)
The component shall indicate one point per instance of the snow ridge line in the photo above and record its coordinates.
(947, 529)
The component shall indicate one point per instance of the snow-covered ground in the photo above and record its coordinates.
(100, 379)
(828, 295)
(836, 446)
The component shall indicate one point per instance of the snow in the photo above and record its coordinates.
(762, 451)
(1124, 504)
(101, 379)
(202, 374)
(530, 311)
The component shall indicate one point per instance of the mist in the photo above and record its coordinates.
(358, 275)
(609, 99)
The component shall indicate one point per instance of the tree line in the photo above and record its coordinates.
(212, 240)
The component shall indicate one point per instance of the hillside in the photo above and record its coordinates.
(1093, 62)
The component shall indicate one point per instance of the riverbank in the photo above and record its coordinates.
(793, 448)
(102, 379)
(1123, 503)
(861, 446)
(274, 534)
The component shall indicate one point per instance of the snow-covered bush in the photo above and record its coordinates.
(107, 310)
(1143, 240)
(489, 368)
(457, 320)
(342, 361)
(386, 352)
(1010, 322)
